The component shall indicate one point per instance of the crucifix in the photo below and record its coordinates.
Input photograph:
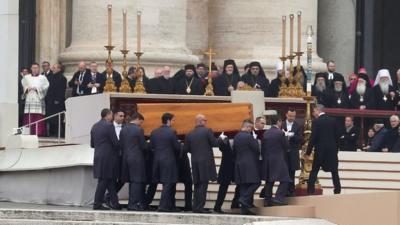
(209, 88)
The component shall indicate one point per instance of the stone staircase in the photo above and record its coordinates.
(74, 216)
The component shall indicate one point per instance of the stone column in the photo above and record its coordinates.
(197, 26)
(50, 26)
(163, 33)
(9, 64)
(251, 30)
(337, 33)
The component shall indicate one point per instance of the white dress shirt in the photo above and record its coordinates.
(118, 128)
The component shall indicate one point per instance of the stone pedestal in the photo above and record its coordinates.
(252, 30)
(163, 33)
(9, 64)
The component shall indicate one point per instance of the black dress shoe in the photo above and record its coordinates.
(268, 204)
(277, 202)
(243, 204)
(203, 211)
(235, 205)
(100, 207)
(246, 211)
(187, 209)
(219, 211)
(150, 208)
(174, 210)
(136, 207)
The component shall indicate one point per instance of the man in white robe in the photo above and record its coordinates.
(35, 88)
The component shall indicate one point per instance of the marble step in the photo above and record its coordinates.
(77, 216)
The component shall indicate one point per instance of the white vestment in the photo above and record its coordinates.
(34, 99)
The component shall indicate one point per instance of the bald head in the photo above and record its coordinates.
(56, 68)
(201, 120)
(82, 66)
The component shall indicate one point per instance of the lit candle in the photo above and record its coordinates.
(291, 16)
(283, 36)
(138, 30)
(124, 30)
(109, 7)
(299, 31)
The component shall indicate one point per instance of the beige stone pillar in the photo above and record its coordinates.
(197, 26)
(9, 63)
(163, 33)
(50, 36)
(251, 30)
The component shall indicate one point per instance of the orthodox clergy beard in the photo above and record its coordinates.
(320, 87)
(338, 89)
(361, 89)
(384, 87)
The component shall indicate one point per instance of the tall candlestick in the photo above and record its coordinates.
(299, 31)
(109, 7)
(124, 30)
(138, 30)
(283, 36)
(291, 16)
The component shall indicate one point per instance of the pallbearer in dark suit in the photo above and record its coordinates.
(166, 147)
(185, 177)
(134, 147)
(226, 175)
(247, 171)
(105, 144)
(199, 143)
(324, 140)
(274, 167)
(294, 133)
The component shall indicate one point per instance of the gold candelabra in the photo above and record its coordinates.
(125, 85)
(110, 84)
(139, 86)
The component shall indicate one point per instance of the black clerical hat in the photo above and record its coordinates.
(364, 77)
(190, 67)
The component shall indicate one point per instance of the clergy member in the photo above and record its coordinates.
(55, 100)
(331, 73)
(164, 84)
(35, 88)
(340, 96)
(320, 90)
(363, 96)
(385, 94)
(76, 82)
(202, 73)
(190, 83)
(152, 83)
(225, 83)
(256, 78)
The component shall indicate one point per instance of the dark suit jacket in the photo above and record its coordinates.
(133, 147)
(330, 84)
(391, 138)
(105, 143)
(117, 78)
(274, 148)
(227, 166)
(377, 142)
(247, 153)
(199, 142)
(348, 140)
(55, 97)
(72, 84)
(295, 144)
(166, 148)
(100, 78)
(325, 142)
(223, 81)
